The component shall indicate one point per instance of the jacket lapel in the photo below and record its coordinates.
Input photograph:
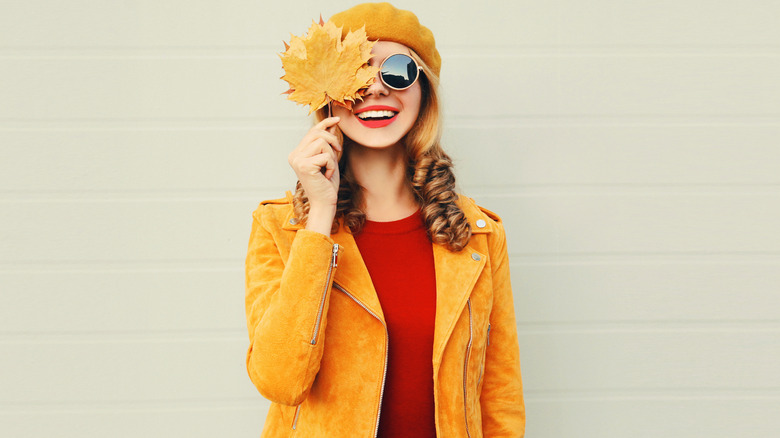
(352, 274)
(456, 274)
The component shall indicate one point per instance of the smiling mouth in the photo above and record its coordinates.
(376, 115)
(376, 119)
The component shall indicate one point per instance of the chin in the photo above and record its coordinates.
(379, 144)
(379, 138)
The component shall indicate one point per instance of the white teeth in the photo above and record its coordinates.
(375, 114)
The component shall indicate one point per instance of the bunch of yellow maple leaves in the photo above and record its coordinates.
(322, 68)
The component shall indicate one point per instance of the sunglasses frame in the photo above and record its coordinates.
(419, 71)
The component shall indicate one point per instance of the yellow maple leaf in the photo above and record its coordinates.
(322, 68)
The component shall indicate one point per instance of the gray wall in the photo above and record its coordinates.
(630, 146)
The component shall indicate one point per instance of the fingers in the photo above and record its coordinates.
(317, 141)
(325, 129)
(324, 138)
(313, 165)
(318, 131)
(315, 161)
(327, 123)
(330, 166)
(315, 147)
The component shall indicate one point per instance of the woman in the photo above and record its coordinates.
(378, 300)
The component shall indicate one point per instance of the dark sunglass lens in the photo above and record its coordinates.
(399, 71)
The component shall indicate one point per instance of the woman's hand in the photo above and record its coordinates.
(319, 149)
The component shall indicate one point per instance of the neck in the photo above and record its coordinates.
(387, 194)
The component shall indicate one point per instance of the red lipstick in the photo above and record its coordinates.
(376, 123)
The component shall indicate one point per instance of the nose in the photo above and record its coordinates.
(378, 88)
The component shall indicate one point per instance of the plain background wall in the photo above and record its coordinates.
(630, 146)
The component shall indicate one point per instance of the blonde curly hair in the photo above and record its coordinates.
(429, 171)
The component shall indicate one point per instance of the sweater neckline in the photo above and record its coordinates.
(405, 225)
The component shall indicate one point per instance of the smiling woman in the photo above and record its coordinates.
(378, 299)
(394, 111)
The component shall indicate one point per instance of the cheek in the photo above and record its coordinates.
(347, 120)
(414, 100)
(339, 111)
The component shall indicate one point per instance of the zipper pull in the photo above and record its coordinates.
(488, 340)
(335, 255)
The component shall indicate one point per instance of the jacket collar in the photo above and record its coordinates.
(456, 274)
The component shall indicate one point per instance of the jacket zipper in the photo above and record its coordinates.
(387, 352)
(482, 368)
(297, 411)
(333, 264)
(465, 371)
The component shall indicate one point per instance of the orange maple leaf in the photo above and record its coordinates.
(322, 68)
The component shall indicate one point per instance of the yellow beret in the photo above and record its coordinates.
(385, 22)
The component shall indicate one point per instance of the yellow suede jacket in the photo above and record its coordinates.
(318, 342)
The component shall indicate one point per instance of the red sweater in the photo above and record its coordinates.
(399, 257)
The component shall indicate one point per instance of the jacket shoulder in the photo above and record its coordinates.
(275, 212)
(480, 218)
(486, 225)
(493, 216)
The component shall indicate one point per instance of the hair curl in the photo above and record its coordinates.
(429, 171)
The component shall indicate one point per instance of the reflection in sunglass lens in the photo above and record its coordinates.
(399, 71)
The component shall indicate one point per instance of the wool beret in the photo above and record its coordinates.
(385, 22)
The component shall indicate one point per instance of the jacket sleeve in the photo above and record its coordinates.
(503, 408)
(286, 308)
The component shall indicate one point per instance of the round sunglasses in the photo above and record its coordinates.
(399, 71)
